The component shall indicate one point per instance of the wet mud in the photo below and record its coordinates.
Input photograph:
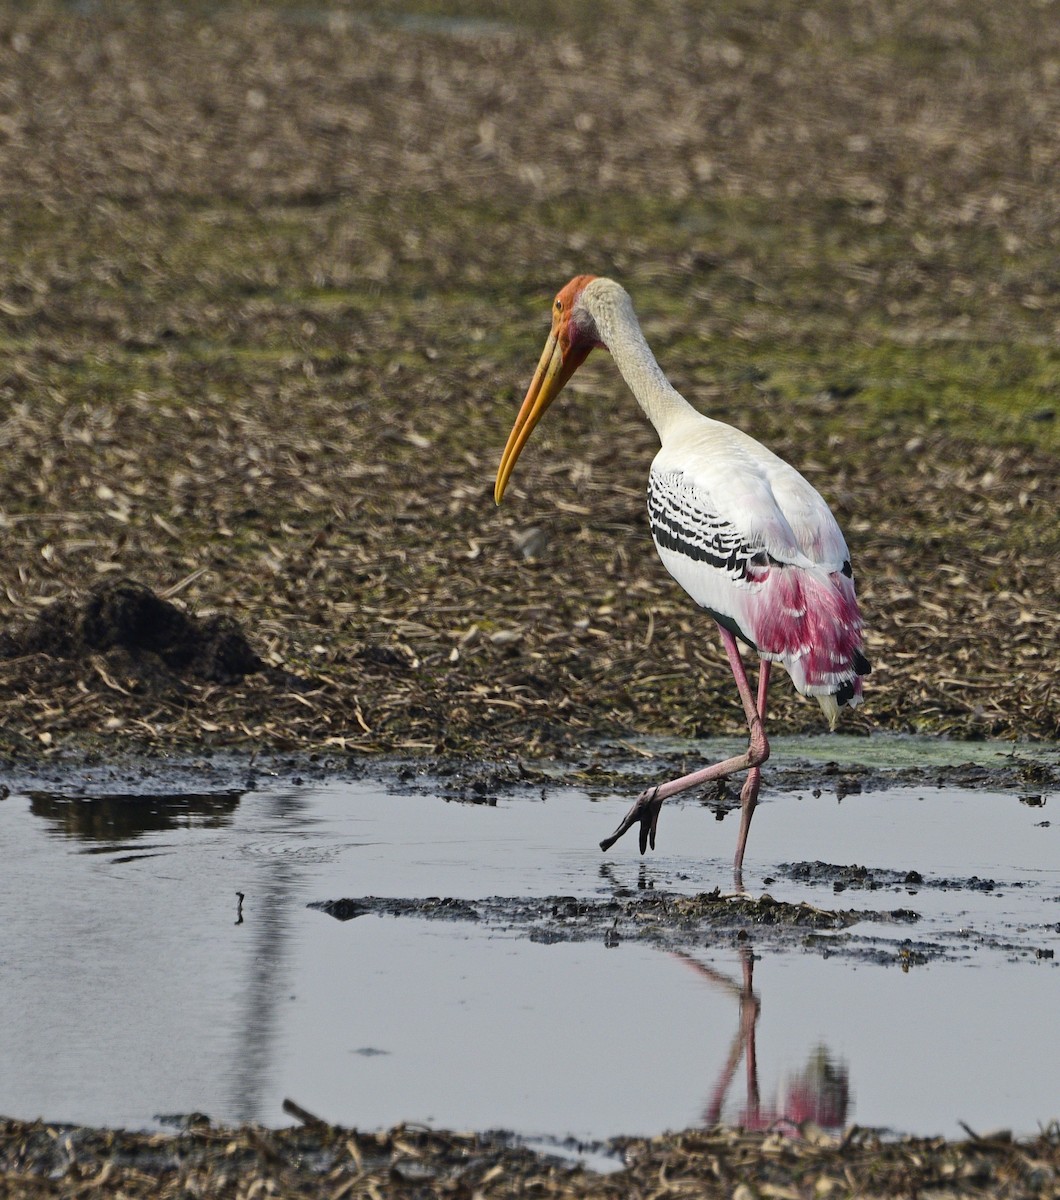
(873, 879)
(1032, 770)
(678, 923)
(668, 922)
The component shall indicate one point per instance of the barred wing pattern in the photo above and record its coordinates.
(751, 574)
(685, 521)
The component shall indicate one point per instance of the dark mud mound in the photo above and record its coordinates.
(138, 631)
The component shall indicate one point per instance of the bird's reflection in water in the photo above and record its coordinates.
(818, 1094)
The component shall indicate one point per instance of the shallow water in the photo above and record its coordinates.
(135, 985)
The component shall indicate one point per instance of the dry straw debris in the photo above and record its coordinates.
(272, 281)
(319, 1160)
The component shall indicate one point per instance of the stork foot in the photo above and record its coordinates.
(645, 813)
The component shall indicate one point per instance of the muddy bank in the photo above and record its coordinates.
(845, 766)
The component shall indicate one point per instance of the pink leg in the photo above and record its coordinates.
(749, 793)
(645, 810)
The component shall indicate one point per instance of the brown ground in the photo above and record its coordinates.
(273, 280)
(272, 283)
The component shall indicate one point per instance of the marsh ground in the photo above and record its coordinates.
(274, 278)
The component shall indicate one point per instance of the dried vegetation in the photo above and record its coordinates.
(324, 1161)
(272, 281)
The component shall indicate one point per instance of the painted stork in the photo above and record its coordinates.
(743, 533)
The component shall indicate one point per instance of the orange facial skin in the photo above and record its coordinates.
(563, 354)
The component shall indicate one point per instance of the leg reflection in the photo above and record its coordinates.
(819, 1094)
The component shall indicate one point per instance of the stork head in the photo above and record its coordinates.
(572, 336)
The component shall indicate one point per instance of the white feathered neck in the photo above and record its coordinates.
(610, 310)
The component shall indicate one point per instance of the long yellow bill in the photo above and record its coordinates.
(552, 374)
